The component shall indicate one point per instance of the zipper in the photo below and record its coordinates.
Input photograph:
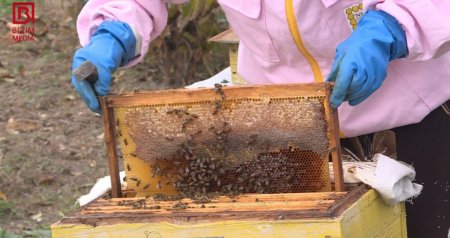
(293, 28)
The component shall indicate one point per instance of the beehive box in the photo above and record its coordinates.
(226, 140)
(230, 38)
(296, 131)
(356, 213)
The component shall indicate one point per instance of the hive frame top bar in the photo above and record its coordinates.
(188, 95)
(175, 96)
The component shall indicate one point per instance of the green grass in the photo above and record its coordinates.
(4, 234)
(5, 11)
(5, 208)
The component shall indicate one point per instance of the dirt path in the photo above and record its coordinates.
(51, 145)
(51, 149)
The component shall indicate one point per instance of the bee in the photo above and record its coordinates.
(256, 200)
(181, 112)
(125, 141)
(156, 169)
(168, 138)
(134, 179)
(120, 133)
(218, 88)
(133, 154)
(128, 167)
(117, 122)
(186, 122)
(226, 127)
(146, 186)
(158, 186)
(138, 182)
(217, 106)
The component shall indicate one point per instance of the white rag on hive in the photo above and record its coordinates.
(101, 187)
(391, 178)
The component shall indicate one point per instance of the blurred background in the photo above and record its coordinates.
(51, 146)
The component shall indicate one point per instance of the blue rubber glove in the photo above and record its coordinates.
(112, 45)
(361, 60)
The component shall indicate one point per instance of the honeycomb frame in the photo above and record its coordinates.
(110, 105)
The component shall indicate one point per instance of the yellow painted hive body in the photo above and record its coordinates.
(364, 215)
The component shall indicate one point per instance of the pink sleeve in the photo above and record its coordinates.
(147, 18)
(426, 23)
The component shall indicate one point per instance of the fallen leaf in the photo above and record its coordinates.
(42, 115)
(62, 147)
(51, 36)
(9, 80)
(4, 73)
(16, 126)
(70, 97)
(101, 136)
(68, 20)
(3, 196)
(46, 179)
(37, 217)
(76, 173)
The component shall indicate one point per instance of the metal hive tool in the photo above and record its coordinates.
(231, 140)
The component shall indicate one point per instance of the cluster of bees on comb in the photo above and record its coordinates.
(196, 172)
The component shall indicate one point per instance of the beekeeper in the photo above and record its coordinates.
(389, 60)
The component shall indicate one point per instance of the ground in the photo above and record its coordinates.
(51, 146)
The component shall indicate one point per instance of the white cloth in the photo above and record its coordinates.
(101, 187)
(223, 77)
(389, 177)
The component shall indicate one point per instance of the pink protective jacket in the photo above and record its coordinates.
(268, 54)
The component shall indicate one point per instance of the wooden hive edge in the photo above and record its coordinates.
(247, 207)
(170, 96)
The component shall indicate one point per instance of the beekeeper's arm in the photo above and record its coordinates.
(391, 29)
(115, 33)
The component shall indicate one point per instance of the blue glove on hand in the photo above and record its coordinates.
(361, 60)
(112, 45)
